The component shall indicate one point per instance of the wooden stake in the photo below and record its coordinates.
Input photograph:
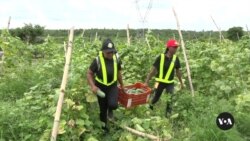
(65, 48)
(2, 52)
(238, 37)
(8, 27)
(139, 133)
(63, 86)
(248, 31)
(128, 37)
(117, 36)
(96, 36)
(210, 37)
(221, 36)
(184, 53)
(147, 41)
(83, 31)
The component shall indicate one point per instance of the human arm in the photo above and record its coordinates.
(179, 75)
(120, 78)
(90, 78)
(152, 72)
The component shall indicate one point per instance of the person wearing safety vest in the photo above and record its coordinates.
(102, 75)
(164, 69)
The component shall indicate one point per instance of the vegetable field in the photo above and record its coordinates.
(29, 90)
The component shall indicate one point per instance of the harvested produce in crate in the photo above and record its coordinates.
(134, 95)
(134, 91)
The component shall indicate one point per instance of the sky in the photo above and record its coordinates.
(117, 14)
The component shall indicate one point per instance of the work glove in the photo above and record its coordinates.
(100, 93)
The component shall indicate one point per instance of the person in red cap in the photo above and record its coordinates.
(164, 68)
(103, 75)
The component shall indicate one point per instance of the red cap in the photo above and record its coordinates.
(172, 43)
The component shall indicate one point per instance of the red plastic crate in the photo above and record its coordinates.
(131, 100)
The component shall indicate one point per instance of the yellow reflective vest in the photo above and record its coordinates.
(104, 80)
(170, 69)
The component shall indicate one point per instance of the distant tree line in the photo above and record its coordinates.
(161, 34)
(36, 34)
(234, 34)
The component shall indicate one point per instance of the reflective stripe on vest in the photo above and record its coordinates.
(170, 69)
(104, 79)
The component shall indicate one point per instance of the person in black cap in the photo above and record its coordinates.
(102, 75)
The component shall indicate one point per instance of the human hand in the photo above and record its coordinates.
(94, 89)
(122, 88)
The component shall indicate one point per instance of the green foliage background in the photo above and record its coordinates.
(29, 89)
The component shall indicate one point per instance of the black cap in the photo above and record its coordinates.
(108, 45)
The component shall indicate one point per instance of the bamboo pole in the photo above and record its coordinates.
(128, 37)
(221, 36)
(142, 134)
(65, 49)
(248, 31)
(8, 27)
(63, 86)
(210, 37)
(147, 41)
(138, 133)
(96, 36)
(184, 53)
(83, 31)
(238, 37)
(2, 53)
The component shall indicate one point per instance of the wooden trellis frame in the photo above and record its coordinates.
(63, 86)
(184, 53)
